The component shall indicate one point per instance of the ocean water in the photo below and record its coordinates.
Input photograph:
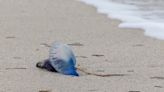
(144, 14)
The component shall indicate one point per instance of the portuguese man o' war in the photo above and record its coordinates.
(61, 59)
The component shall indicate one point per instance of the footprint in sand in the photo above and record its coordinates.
(157, 77)
(10, 37)
(15, 68)
(17, 57)
(130, 70)
(97, 55)
(158, 86)
(44, 91)
(76, 44)
(138, 45)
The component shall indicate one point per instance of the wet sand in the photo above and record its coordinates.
(29, 27)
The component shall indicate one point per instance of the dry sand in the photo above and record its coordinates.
(28, 27)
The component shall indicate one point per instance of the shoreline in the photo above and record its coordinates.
(130, 15)
(99, 45)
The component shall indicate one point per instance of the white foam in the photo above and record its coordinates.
(130, 16)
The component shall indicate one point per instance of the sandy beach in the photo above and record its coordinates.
(29, 27)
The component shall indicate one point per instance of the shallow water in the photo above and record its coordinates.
(150, 9)
(145, 14)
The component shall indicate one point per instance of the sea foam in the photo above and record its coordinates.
(130, 15)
